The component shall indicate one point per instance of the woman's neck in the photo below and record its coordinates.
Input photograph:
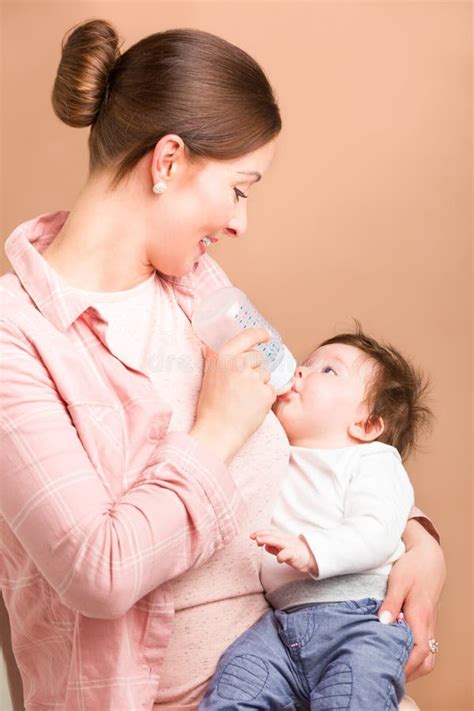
(95, 249)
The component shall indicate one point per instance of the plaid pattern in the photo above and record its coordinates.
(100, 505)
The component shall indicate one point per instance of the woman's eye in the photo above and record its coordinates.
(239, 194)
(328, 369)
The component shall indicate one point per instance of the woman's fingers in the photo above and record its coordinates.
(426, 667)
(415, 583)
(392, 604)
(244, 341)
(249, 359)
(421, 618)
(420, 649)
(265, 374)
(422, 622)
(253, 359)
(236, 394)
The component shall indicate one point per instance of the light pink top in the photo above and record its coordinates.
(101, 503)
(208, 617)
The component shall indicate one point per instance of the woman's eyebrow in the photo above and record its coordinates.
(257, 175)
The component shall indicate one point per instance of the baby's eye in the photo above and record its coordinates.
(239, 194)
(328, 369)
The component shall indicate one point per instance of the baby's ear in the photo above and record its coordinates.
(367, 430)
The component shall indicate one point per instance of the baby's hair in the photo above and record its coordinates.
(397, 392)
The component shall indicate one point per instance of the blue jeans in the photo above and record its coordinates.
(322, 656)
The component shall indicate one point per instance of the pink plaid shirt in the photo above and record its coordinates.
(100, 505)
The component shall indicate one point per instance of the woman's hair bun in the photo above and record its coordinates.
(89, 53)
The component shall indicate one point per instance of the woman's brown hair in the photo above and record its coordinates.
(187, 82)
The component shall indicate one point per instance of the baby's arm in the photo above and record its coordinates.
(292, 550)
(376, 507)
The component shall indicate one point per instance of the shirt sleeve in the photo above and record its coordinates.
(376, 507)
(426, 522)
(101, 554)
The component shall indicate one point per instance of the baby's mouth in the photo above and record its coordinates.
(287, 395)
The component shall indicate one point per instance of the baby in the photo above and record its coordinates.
(354, 410)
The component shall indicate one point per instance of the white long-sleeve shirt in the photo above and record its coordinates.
(351, 504)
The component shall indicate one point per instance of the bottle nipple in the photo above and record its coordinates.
(282, 376)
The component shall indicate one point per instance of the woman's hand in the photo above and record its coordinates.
(235, 394)
(415, 586)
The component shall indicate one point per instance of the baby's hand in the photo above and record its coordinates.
(292, 550)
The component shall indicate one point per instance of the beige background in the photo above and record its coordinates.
(366, 211)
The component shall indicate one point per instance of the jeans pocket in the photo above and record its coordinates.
(367, 605)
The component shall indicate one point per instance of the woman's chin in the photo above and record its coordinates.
(177, 270)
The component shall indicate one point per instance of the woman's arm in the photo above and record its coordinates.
(99, 552)
(415, 586)
(426, 522)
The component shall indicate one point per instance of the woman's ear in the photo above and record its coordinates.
(168, 149)
(367, 430)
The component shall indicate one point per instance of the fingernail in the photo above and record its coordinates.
(386, 617)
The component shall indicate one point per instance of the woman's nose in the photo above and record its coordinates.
(237, 225)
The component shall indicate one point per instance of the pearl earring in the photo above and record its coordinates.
(159, 187)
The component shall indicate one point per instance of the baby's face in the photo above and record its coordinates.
(328, 396)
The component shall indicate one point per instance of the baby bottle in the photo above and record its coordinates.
(224, 313)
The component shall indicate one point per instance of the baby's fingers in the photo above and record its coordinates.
(272, 550)
(264, 532)
(269, 539)
(285, 555)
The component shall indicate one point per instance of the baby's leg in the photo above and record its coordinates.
(255, 673)
(407, 704)
(364, 659)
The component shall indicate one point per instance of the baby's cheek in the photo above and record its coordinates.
(288, 420)
(278, 409)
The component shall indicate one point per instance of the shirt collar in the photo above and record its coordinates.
(58, 301)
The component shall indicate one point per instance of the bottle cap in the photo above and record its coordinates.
(282, 376)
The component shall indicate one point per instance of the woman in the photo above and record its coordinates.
(124, 465)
